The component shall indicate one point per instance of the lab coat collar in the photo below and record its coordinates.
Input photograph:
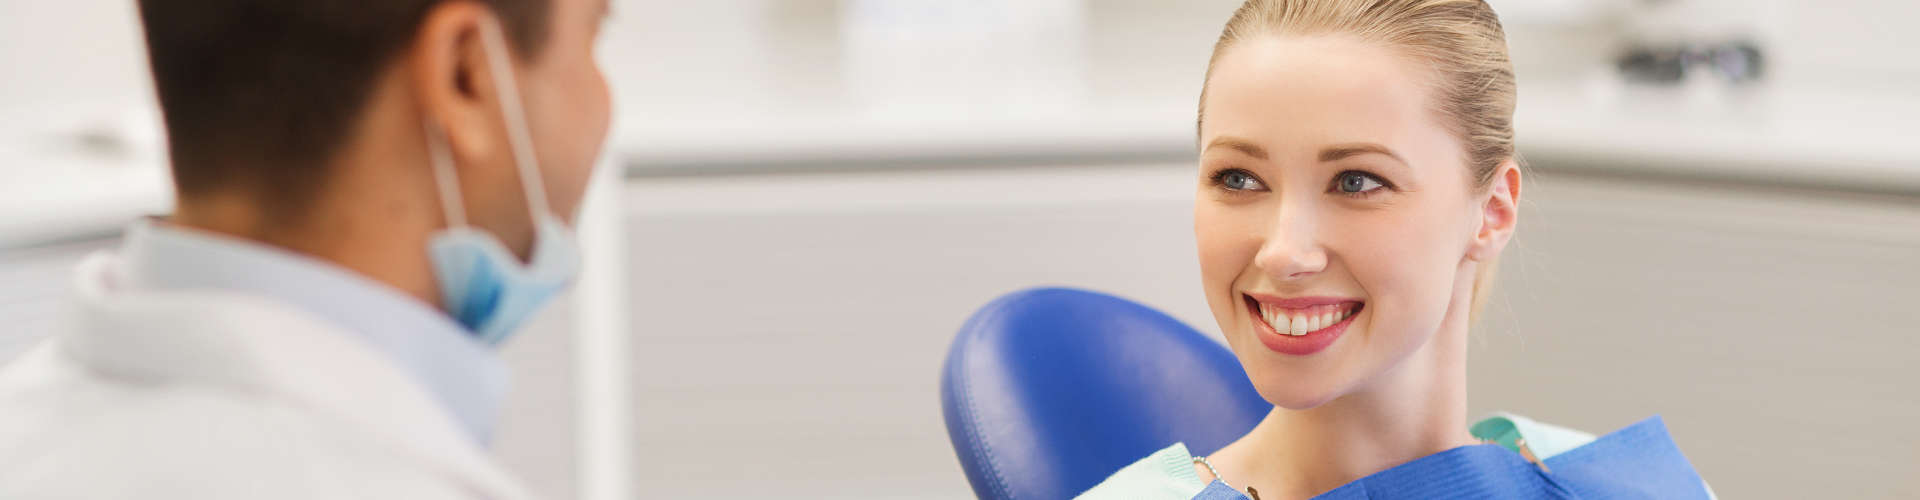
(462, 373)
(263, 349)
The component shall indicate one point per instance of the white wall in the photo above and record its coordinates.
(68, 60)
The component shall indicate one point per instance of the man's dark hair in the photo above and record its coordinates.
(258, 94)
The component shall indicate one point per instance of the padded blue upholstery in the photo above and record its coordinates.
(1048, 391)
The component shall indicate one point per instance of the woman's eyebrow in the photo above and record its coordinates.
(1237, 144)
(1341, 151)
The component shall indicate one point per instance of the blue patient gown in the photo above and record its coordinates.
(1639, 461)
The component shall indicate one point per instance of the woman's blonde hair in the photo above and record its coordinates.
(1461, 42)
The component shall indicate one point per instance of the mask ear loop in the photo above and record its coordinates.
(444, 175)
(521, 139)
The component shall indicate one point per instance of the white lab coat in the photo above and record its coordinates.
(207, 395)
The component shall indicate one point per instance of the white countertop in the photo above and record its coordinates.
(1120, 82)
(59, 194)
(782, 91)
(1860, 141)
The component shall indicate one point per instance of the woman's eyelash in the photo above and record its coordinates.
(1219, 178)
(1335, 186)
(1237, 180)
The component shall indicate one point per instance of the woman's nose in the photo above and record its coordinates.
(1290, 251)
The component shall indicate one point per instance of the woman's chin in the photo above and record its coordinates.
(1296, 394)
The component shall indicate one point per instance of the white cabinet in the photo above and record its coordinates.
(794, 325)
(1773, 328)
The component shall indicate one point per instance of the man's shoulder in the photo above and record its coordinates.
(68, 433)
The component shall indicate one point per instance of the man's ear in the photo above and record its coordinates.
(450, 77)
(1499, 213)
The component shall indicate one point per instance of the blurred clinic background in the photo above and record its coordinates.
(803, 199)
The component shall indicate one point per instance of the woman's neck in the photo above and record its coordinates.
(1416, 410)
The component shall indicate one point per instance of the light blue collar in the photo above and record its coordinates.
(465, 375)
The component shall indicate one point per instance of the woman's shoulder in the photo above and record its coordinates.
(1165, 474)
(1638, 456)
(1169, 473)
(1542, 439)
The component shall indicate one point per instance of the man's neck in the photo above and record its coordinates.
(373, 215)
(384, 242)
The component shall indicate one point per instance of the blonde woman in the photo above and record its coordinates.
(1357, 184)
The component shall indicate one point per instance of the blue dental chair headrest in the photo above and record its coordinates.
(1048, 391)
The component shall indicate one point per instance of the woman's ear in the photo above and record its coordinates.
(1499, 213)
(449, 73)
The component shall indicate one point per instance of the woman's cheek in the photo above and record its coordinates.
(1226, 251)
(1408, 272)
(1383, 257)
(1211, 252)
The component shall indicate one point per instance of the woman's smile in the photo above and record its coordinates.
(1300, 326)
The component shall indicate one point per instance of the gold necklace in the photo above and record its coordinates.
(1216, 475)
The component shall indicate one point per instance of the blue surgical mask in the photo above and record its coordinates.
(483, 285)
(487, 289)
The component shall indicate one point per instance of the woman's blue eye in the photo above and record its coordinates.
(1354, 182)
(1238, 180)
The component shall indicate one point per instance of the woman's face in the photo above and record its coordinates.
(1334, 215)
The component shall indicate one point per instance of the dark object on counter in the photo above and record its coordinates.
(1737, 61)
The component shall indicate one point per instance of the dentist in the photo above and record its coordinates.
(371, 197)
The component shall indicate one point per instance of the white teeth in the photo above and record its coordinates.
(1307, 321)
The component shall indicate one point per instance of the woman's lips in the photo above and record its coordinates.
(1300, 326)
